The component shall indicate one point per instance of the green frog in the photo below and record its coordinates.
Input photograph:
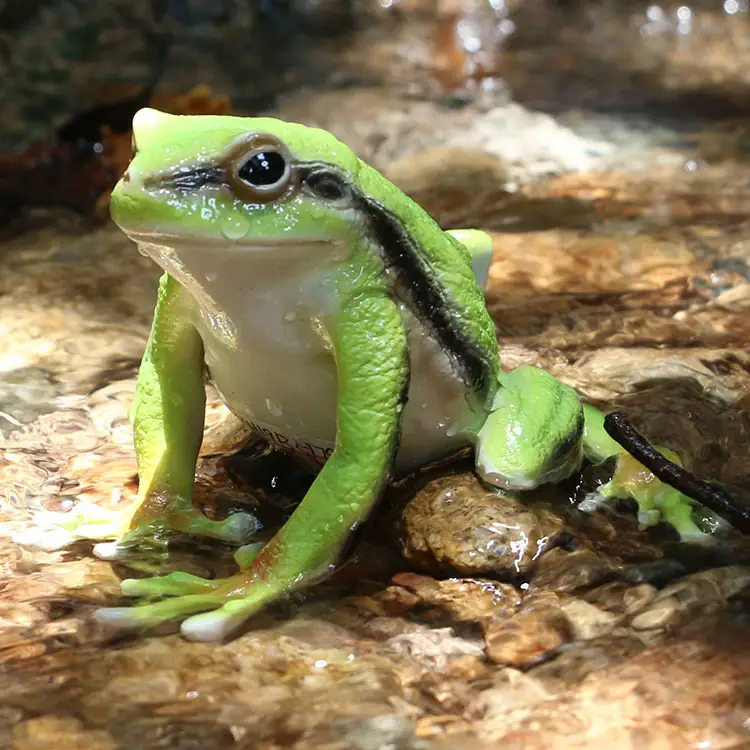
(335, 316)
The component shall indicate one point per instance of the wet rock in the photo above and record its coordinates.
(692, 597)
(620, 598)
(389, 127)
(511, 691)
(562, 571)
(64, 732)
(535, 631)
(456, 524)
(445, 178)
(577, 660)
(386, 730)
(673, 695)
(434, 648)
(464, 600)
(586, 621)
(25, 394)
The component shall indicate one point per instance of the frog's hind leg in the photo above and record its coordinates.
(532, 435)
(656, 500)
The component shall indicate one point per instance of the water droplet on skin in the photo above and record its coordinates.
(234, 227)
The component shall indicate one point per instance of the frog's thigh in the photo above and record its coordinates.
(533, 433)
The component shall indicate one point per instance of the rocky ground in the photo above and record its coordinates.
(465, 618)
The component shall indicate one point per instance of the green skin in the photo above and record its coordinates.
(527, 428)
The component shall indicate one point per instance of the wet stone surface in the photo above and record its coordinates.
(466, 618)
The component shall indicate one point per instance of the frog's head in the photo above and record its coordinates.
(234, 180)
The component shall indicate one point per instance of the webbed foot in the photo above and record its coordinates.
(233, 600)
(656, 501)
(53, 531)
(88, 521)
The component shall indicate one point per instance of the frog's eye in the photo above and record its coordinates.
(262, 173)
(263, 170)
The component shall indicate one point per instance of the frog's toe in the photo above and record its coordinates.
(149, 616)
(111, 550)
(245, 556)
(238, 528)
(235, 529)
(174, 584)
(221, 623)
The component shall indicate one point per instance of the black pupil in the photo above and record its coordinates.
(263, 169)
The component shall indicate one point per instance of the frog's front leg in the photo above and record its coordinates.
(168, 414)
(370, 348)
(168, 418)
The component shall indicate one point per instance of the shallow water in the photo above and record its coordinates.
(621, 265)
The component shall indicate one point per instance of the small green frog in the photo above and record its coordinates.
(337, 318)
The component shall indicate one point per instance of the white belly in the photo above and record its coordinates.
(261, 316)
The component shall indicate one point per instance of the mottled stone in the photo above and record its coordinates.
(457, 524)
(536, 630)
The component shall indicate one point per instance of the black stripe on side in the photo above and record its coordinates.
(189, 179)
(571, 442)
(411, 281)
(415, 286)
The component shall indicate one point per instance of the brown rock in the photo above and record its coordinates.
(537, 629)
(455, 523)
(563, 571)
(587, 621)
(464, 600)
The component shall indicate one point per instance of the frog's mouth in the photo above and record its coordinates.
(175, 241)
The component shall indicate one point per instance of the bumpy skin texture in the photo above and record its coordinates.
(379, 257)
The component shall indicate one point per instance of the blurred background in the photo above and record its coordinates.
(627, 82)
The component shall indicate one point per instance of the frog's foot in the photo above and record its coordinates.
(656, 501)
(182, 584)
(234, 529)
(88, 521)
(233, 600)
(174, 584)
(53, 531)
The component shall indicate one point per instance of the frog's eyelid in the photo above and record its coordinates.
(324, 182)
(240, 152)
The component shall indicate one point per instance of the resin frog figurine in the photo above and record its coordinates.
(336, 317)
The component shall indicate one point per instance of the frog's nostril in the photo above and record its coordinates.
(126, 177)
